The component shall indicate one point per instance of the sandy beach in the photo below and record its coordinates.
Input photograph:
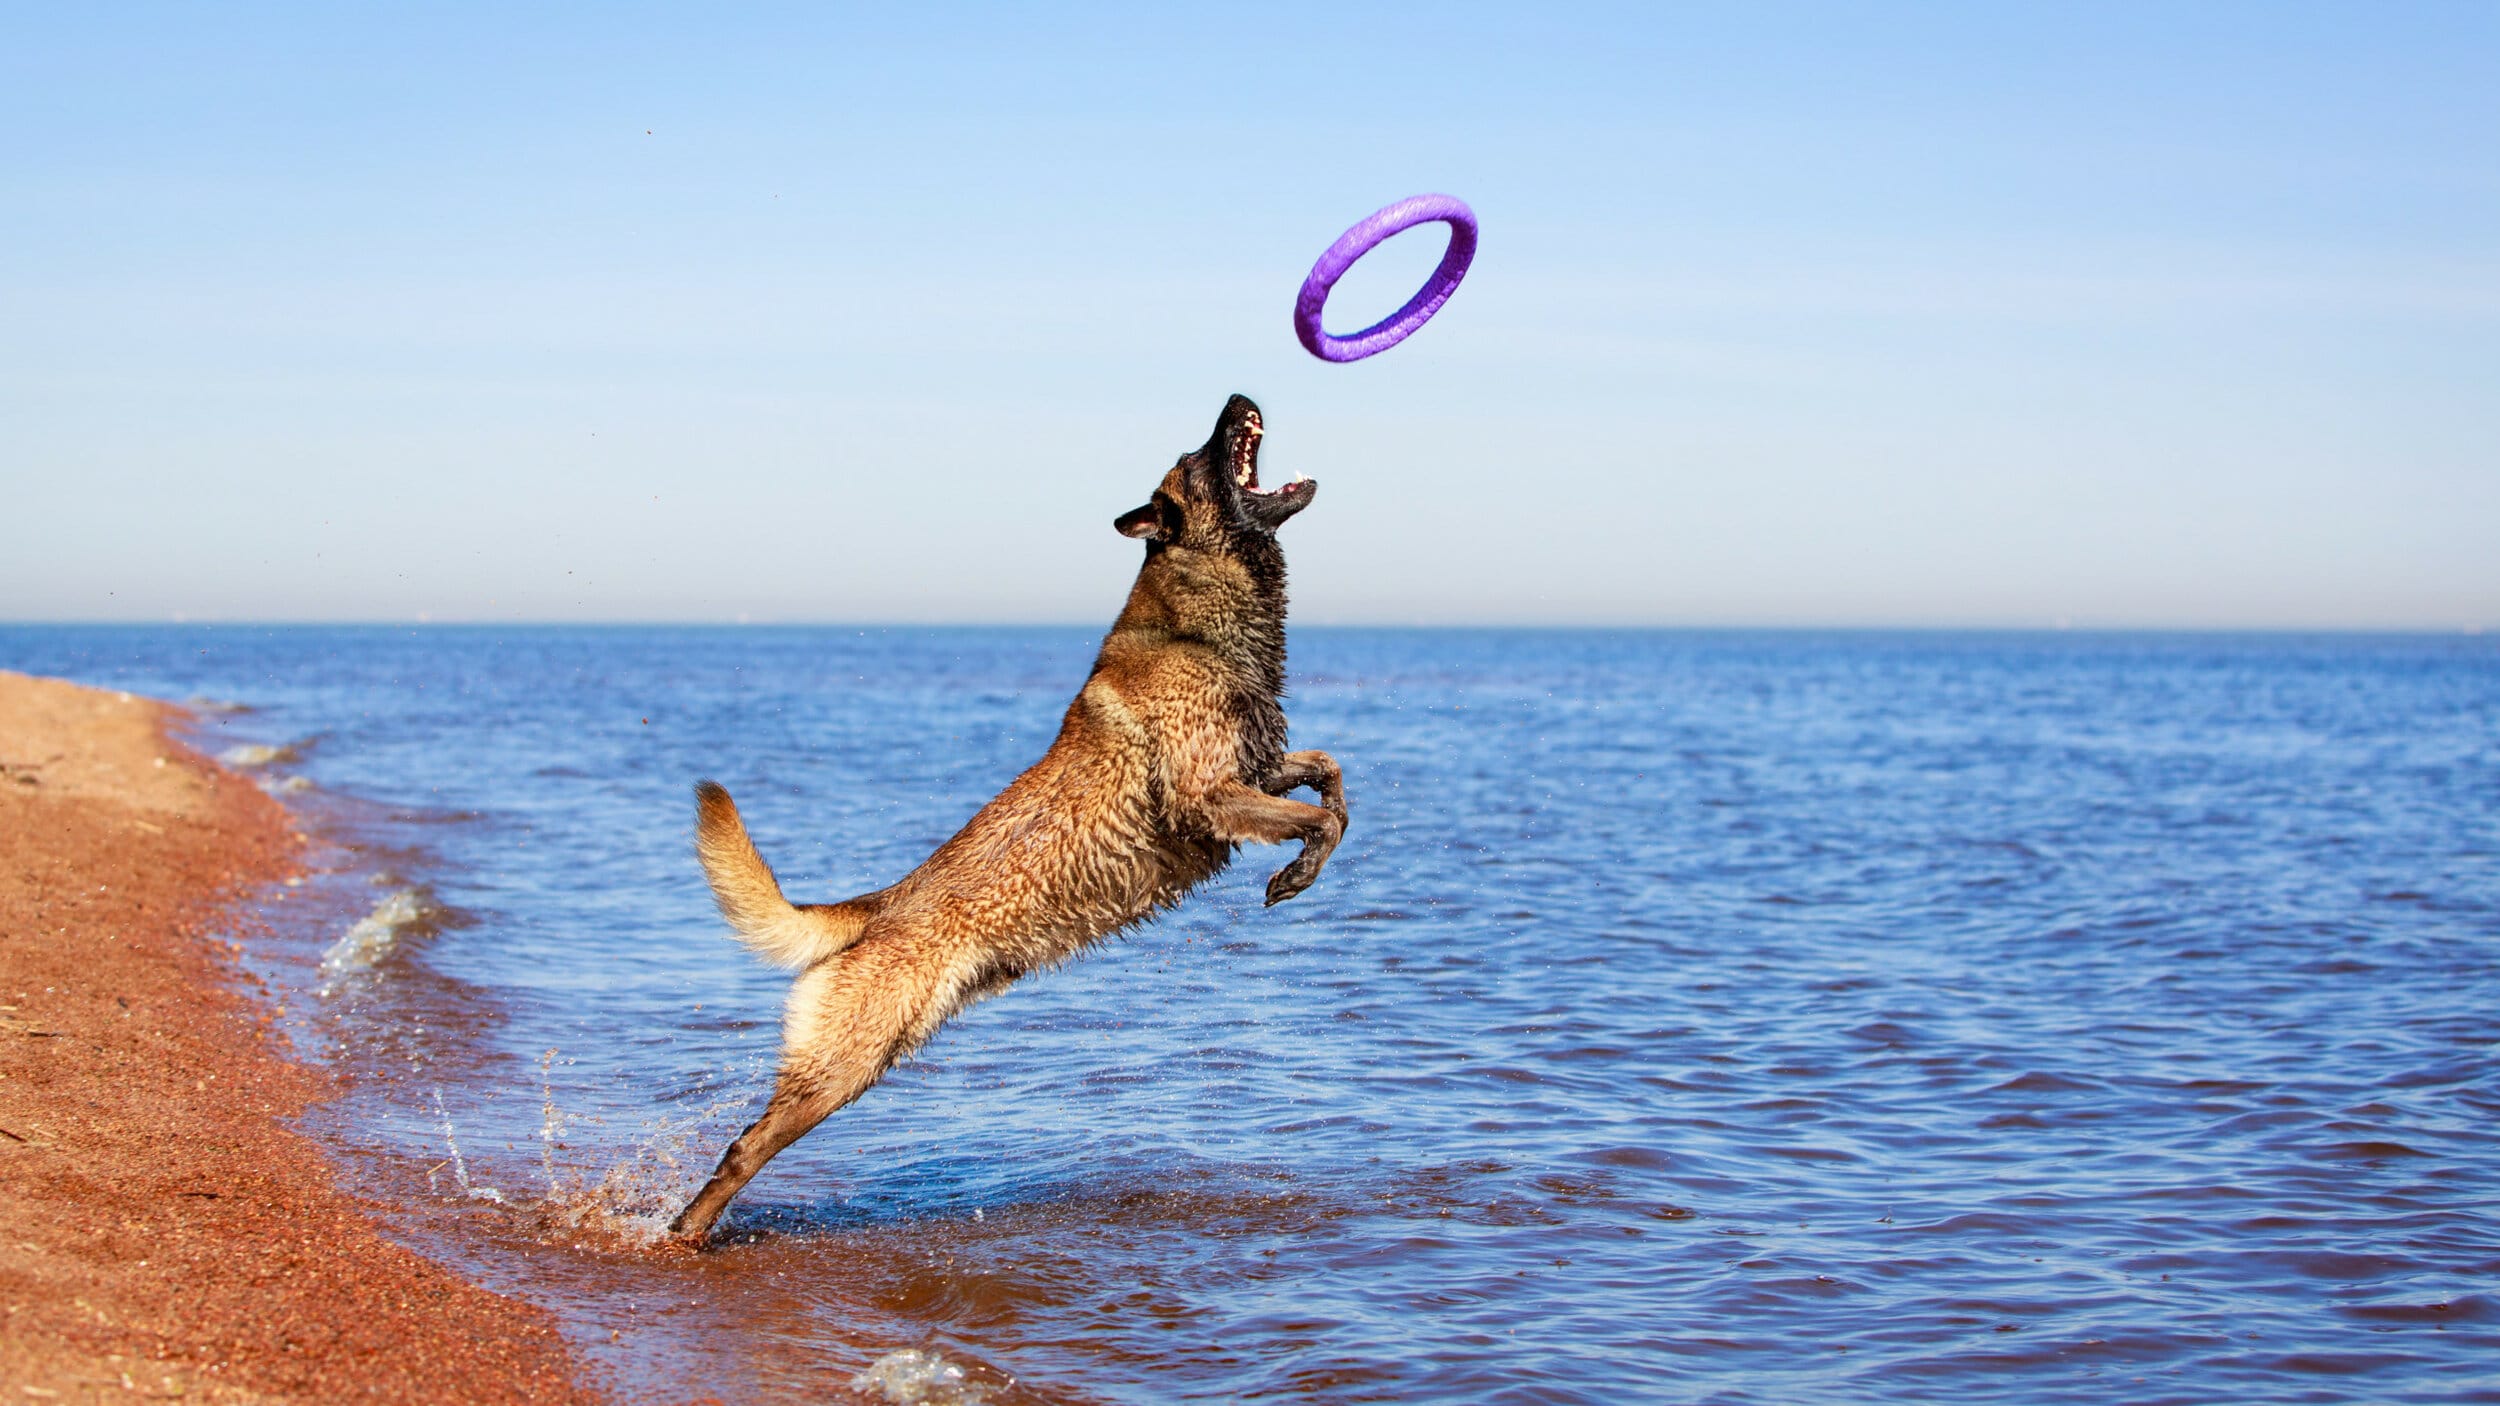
(168, 1233)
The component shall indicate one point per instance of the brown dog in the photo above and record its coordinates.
(1171, 756)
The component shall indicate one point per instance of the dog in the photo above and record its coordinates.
(1171, 757)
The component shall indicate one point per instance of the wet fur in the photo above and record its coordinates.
(1171, 756)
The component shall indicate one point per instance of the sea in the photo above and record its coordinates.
(1711, 1016)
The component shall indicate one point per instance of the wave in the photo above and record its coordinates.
(252, 756)
(371, 941)
(911, 1376)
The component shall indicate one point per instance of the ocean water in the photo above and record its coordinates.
(1732, 1017)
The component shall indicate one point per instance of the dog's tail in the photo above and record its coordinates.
(775, 929)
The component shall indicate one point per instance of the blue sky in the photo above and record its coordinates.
(1937, 315)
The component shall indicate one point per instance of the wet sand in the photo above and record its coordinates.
(164, 1229)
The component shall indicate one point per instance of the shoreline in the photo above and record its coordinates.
(170, 1233)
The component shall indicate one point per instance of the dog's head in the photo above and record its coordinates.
(1211, 499)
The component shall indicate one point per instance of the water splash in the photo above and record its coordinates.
(551, 1122)
(628, 1203)
(911, 1377)
(459, 1164)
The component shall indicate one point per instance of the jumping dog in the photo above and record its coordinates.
(1171, 756)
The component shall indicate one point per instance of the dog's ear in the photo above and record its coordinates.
(1157, 521)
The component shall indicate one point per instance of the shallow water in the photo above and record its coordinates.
(1712, 1016)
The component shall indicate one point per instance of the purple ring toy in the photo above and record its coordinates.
(1360, 240)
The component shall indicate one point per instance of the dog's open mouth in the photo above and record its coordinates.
(1245, 465)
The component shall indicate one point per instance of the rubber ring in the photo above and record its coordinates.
(1361, 240)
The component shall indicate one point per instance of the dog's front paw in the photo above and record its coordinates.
(1291, 880)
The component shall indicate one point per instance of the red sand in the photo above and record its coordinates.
(164, 1230)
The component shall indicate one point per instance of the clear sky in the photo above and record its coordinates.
(1994, 314)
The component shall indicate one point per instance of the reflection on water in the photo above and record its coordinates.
(1741, 1017)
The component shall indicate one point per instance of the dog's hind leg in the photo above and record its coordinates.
(850, 1020)
(795, 1108)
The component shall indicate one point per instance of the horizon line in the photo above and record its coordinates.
(2059, 627)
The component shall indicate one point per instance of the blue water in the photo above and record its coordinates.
(1745, 1017)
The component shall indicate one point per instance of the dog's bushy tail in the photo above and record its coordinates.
(775, 929)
